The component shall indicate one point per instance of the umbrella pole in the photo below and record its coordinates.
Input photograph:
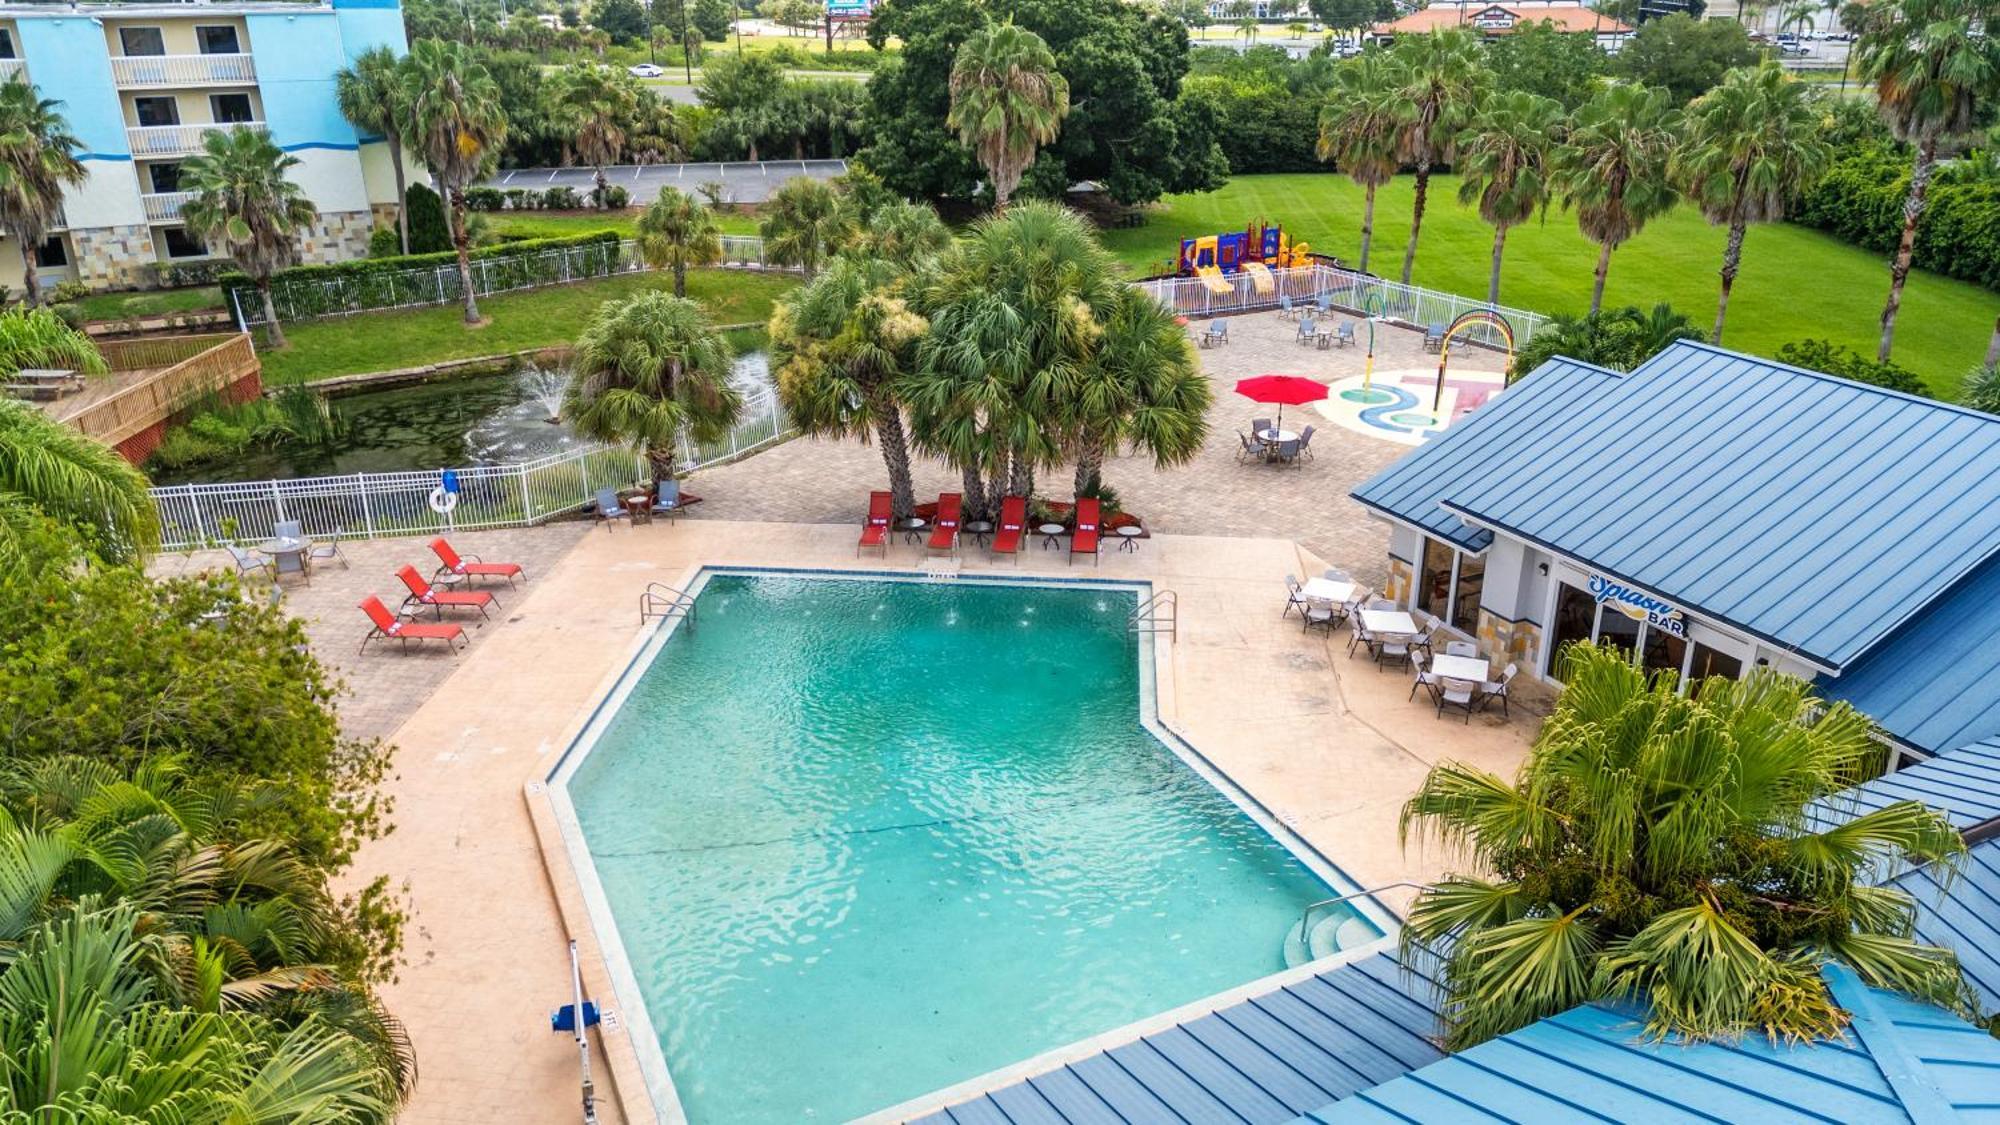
(1280, 423)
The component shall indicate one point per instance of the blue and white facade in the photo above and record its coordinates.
(140, 84)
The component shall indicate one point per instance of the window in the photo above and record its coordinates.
(1663, 652)
(181, 244)
(230, 109)
(1708, 662)
(216, 40)
(52, 254)
(1575, 621)
(1434, 577)
(157, 111)
(1465, 593)
(1616, 630)
(164, 177)
(141, 41)
(7, 44)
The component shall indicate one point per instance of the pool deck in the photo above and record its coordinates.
(1328, 743)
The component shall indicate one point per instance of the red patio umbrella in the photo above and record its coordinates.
(1281, 390)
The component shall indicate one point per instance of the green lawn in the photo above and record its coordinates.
(113, 306)
(531, 319)
(558, 224)
(1795, 283)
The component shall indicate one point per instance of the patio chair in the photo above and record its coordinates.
(470, 567)
(875, 532)
(609, 508)
(1462, 694)
(1259, 427)
(1013, 524)
(1285, 309)
(1250, 451)
(1344, 335)
(1381, 603)
(1426, 680)
(1431, 626)
(1497, 689)
(1216, 335)
(423, 593)
(1361, 637)
(385, 624)
(944, 529)
(248, 564)
(1461, 648)
(1089, 521)
(667, 499)
(1295, 597)
(1394, 646)
(1308, 330)
(1434, 338)
(1287, 452)
(1325, 302)
(1325, 616)
(1335, 574)
(1306, 442)
(328, 548)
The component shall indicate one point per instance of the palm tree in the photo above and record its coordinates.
(1295, 29)
(1247, 28)
(679, 230)
(1504, 159)
(903, 233)
(1656, 845)
(840, 349)
(1358, 129)
(594, 103)
(804, 223)
(37, 161)
(1933, 63)
(241, 200)
(50, 470)
(1141, 386)
(458, 125)
(1444, 80)
(1613, 168)
(1752, 143)
(649, 369)
(373, 95)
(1007, 100)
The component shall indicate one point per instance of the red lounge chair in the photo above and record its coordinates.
(1083, 541)
(386, 625)
(1013, 519)
(423, 593)
(875, 533)
(944, 530)
(470, 566)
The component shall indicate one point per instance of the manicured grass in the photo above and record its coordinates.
(533, 319)
(112, 306)
(560, 224)
(1795, 283)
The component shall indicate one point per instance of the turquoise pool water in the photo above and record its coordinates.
(865, 839)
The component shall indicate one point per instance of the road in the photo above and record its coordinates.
(742, 182)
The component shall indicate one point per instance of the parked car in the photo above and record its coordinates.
(645, 70)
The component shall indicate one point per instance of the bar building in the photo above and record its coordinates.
(1714, 512)
(141, 83)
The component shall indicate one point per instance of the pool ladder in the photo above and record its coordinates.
(1305, 918)
(664, 601)
(1160, 613)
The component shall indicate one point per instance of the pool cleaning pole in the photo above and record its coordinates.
(582, 1037)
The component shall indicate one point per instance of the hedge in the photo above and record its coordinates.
(1860, 200)
(305, 292)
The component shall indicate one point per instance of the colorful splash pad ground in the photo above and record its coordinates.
(1397, 404)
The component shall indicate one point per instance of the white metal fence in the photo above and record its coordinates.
(1341, 291)
(369, 505)
(311, 298)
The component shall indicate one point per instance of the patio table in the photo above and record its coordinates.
(282, 547)
(1327, 590)
(1471, 669)
(1049, 532)
(1276, 437)
(912, 528)
(1388, 621)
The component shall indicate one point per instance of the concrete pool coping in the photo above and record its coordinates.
(640, 1064)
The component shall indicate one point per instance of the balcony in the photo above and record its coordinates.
(11, 69)
(170, 142)
(164, 206)
(156, 72)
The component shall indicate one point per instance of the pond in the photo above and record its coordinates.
(478, 420)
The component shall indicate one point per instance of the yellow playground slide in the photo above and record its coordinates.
(1260, 277)
(1213, 279)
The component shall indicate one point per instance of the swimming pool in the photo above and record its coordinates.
(857, 839)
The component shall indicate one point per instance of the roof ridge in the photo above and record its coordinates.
(1885, 1046)
(1780, 365)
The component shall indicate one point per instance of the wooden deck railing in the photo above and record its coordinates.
(184, 369)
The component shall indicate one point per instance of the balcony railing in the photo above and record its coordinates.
(160, 142)
(147, 72)
(9, 68)
(164, 206)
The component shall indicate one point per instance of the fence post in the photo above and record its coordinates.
(527, 496)
(278, 499)
(367, 506)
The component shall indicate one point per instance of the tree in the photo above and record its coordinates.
(430, 229)
(241, 200)
(1752, 144)
(1613, 168)
(1006, 101)
(841, 347)
(1358, 130)
(1346, 15)
(623, 20)
(803, 224)
(48, 469)
(1835, 359)
(1657, 845)
(1504, 162)
(1982, 388)
(713, 18)
(459, 126)
(743, 90)
(1140, 387)
(679, 230)
(37, 161)
(595, 104)
(1443, 81)
(648, 369)
(1932, 62)
(1684, 56)
(907, 235)
(373, 95)
(1617, 339)
(1537, 57)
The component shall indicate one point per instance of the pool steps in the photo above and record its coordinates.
(1329, 935)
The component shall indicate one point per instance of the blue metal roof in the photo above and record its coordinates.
(1903, 1060)
(1816, 513)
(1935, 684)
(1962, 913)
(1261, 1060)
(1964, 784)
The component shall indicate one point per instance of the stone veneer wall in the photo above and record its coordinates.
(113, 257)
(339, 236)
(1517, 642)
(385, 213)
(1401, 581)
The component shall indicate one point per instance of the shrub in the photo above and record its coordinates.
(1834, 359)
(616, 198)
(185, 275)
(69, 291)
(429, 230)
(42, 338)
(520, 199)
(1860, 200)
(561, 199)
(484, 198)
(303, 292)
(384, 242)
(1982, 388)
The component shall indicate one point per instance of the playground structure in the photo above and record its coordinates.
(1254, 252)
